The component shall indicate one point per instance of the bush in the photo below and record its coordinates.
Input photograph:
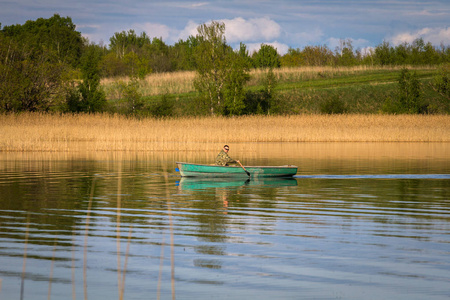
(333, 106)
(163, 108)
(441, 82)
(409, 96)
(133, 97)
(256, 102)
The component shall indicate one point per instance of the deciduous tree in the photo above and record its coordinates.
(221, 73)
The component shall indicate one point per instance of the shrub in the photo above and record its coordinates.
(409, 96)
(163, 108)
(333, 106)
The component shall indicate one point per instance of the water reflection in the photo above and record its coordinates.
(352, 227)
(193, 183)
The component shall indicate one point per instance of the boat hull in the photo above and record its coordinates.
(201, 170)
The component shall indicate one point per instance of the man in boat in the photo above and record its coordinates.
(223, 159)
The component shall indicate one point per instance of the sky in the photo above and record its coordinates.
(283, 24)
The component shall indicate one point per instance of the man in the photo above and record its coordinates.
(223, 159)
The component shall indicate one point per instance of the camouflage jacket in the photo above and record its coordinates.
(223, 159)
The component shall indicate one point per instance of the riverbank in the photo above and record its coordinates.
(71, 133)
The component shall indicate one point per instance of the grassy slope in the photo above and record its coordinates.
(303, 90)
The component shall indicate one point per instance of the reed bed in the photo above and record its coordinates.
(103, 132)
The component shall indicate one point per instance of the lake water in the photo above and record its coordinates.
(359, 221)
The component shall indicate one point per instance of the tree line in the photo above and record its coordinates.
(46, 63)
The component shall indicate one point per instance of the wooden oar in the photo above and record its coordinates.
(248, 173)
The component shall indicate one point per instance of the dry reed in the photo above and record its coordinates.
(81, 133)
(153, 84)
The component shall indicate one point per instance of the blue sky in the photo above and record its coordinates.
(282, 23)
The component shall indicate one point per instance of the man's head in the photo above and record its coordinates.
(226, 148)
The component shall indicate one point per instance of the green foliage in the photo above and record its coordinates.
(182, 54)
(111, 65)
(163, 108)
(263, 101)
(333, 105)
(128, 56)
(410, 92)
(256, 102)
(55, 34)
(31, 79)
(35, 59)
(91, 96)
(384, 54)
(132, 97)
(234, 93)
(293, 58)
(345, 54)
(138, 66)
(221, 73)
(417, 53)
(409, 95)
(308, 56)
(42, 61)
(266, 57)
(124, 42)
(441, 82)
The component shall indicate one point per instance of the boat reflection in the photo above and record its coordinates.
(196, 183)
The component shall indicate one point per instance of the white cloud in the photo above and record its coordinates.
(435, 36)
(155, 30)
(199, 4)
(189, 29)
(259, 29)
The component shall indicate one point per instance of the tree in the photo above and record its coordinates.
(409, 91)
(88, 97)
(293, 58)
(344, 53)
(220, 73)
(234, 93)
(56, 34)
(123, 42)
(317, 56)
(158, 54)
(131, 54)
(441, 82)
(266, 57)
(31, 78)
(384, 54)
(182, 54)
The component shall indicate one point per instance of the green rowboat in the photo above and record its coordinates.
(201, 170)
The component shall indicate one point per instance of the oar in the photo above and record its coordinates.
(248, 173)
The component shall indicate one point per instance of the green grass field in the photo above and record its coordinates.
(360, 90)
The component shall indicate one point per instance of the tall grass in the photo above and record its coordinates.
(69, 133)
(153, 84)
